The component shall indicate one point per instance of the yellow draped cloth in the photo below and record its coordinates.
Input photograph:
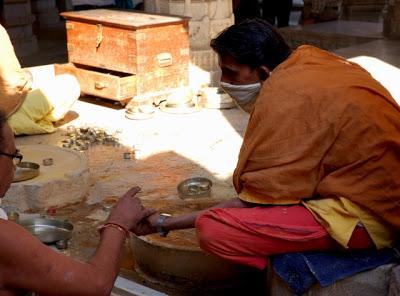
(14, 83)
(32, 110)
(325, 134)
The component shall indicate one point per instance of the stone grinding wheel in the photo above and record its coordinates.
(64, 182)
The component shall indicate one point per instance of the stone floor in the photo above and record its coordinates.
(381, 58)
(332, 35)
(171, 148)
(52, 47)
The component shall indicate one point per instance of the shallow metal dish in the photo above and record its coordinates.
(215, 98)
(138, 114)
(25, 171)
(195, 187)
(48, 230)
(188, 104)
(181, 108)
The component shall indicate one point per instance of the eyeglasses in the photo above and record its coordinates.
(16, 156)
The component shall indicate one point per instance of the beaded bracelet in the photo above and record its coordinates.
(116, 226)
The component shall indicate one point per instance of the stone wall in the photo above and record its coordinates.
(16, 16)
(208, 18)
(363, 10)
(391, 24)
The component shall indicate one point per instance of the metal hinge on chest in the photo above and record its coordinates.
(99, 37)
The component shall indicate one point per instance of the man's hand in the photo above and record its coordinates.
(147, 225)
(129, 211)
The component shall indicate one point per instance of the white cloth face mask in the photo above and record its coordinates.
(244, 95)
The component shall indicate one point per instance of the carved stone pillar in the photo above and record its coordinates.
(208, 18)
(391, 24)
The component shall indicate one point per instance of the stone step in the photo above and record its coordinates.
(365, 2)
(20, 32)
(16, 14)
(46, 12)
(381, 58)
(43, 5)
(394, 285)
(365, 13)
(369, 283)
(48, 19)
(333, 35)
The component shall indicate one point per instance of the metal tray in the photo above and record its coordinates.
(48, 230)
(195, 187)
(25, 171)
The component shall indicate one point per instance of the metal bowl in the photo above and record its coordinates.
(48, 230)
(179, 108)
(187, 268)
(215, 98)
(137, 113)
(25, 171)
(195, 188)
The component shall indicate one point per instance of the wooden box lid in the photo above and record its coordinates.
(123, 18)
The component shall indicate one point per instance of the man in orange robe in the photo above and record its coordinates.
(319, 168)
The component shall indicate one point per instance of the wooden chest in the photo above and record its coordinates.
(123, 54)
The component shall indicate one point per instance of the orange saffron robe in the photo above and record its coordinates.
(324, 133)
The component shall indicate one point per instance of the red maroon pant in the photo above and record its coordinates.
(249, 235)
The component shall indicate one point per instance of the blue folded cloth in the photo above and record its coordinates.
(302, 270)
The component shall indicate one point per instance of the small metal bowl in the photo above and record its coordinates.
(48, 230)
(25, 171)
(179, 108)
(195, 188)
(109, 202)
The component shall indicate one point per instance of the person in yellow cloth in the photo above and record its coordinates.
(32, 107)
(319, 167)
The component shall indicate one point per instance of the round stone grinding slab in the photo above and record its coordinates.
(66, 181)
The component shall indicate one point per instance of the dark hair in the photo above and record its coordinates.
(252, 42)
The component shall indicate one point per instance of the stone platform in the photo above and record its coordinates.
(170, 148)
(64, 182)
(332, 35)
(387, 51)
(381, 58)
(369, 283)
